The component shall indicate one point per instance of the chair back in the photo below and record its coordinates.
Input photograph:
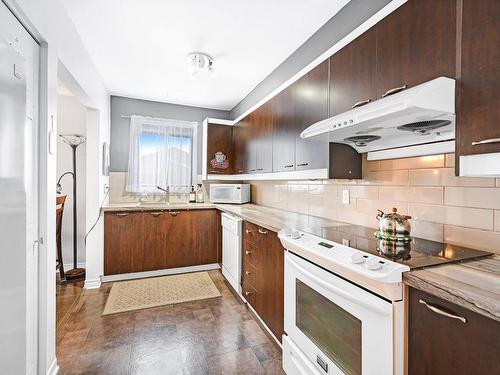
(60, 199)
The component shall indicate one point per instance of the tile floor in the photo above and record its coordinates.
(216, 336)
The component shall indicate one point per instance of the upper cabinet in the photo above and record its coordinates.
(478, 112)
(239, 148)
(311, 106)
(220, 156)
(353, 74)
(262, 134)
(416, 43)
(285, 130)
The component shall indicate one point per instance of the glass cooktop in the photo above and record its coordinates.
(416, 253)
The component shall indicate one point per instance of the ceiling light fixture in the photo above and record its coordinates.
(200, 62)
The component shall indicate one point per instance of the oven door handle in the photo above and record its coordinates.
(359, 301)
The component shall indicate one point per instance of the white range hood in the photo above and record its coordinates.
(414, 122)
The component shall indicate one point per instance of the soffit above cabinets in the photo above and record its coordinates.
(140, 47)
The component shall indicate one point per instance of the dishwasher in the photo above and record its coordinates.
(231, 250)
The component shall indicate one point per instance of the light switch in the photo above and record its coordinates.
(345, 196)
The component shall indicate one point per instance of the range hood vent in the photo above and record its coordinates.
(421, 115)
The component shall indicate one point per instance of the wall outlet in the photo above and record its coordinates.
(106, 188)
(345, 196)
(346, 242)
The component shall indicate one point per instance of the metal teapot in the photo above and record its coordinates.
(393, 225)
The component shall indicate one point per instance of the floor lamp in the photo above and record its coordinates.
(73, 141)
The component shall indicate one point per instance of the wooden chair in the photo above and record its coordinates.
(60, 199)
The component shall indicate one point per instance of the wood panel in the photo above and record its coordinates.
(285, 130)
(154, 242)
(311, 106)
(262, 137)
(122, 242)
(441, 345)
(239, 148)
(220, 139)
(353, 74)
(416, 43)
(478, 115)
(263, 275)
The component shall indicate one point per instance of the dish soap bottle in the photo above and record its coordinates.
(200, 194)
(192, 195)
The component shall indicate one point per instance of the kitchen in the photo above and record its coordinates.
(341, 217)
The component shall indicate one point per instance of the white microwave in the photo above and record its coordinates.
(230, 193)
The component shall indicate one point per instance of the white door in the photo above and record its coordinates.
(19, 64)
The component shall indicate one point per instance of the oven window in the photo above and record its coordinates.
(336, 332)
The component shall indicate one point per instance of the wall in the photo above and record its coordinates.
(458, 210)
(120, 127)
(346, 20)
(49, 22)
(72, 119)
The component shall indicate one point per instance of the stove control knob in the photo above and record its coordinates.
(296, 235)
(357, 258)
(373, 264)
(287, 231)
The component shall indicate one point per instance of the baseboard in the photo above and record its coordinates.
(54, 368)
(264, 325)
(92, 284)
(170, 271)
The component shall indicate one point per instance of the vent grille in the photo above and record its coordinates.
(424, 127)
(362, 140)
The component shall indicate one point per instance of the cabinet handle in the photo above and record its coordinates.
(361, 103)
(289, 166)
(156, 214)
(252, 170)
(247, 231)
(302, 164)
(486, 141)
(248, 252)
(240, 171)
(121, 214)
(174, 213)
(247, 272)
(260, 169)
(214, 171)
(442, 312)
(247, 293)
(394, 90)
(262, 231)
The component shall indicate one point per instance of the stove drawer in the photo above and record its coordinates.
(295, 362)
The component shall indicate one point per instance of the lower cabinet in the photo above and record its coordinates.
(263, 275)
(155, 240)
(462, 342)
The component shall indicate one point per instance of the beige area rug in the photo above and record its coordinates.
(158, 291)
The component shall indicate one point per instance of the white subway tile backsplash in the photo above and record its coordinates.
(477, 239)
(399, 177)
(473, 197)
(371, 206)
(450, 160)
(432, 195)
(497, 221)
(360, 191)
(446, 177)
(435, 161)
(425, 229)
(460, 216)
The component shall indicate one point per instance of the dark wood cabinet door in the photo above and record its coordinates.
(122, 242)
(311, 106)
(262, 133)
(249, 124)
(439, 344)
(352, 74)
(191, 238)
(270, 296)
(220, 140)
(239, 148)
(285, 130)
(154, 241)
(478, 115)
(416, 43)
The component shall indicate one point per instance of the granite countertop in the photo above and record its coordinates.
(474, 285)
(156, 206)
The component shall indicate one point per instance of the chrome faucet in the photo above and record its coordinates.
(167, 193)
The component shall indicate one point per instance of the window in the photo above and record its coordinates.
(161, 154)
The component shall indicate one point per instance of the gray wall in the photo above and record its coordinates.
(120, 127)
(350, 17)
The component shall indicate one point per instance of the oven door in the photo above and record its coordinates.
(340, 327)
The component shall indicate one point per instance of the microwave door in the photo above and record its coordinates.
(340, 327)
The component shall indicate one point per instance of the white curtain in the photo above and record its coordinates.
(160, 154)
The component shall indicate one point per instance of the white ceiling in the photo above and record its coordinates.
(139, 46)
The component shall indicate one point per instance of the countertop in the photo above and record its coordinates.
(473, 284)
(156, 206)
